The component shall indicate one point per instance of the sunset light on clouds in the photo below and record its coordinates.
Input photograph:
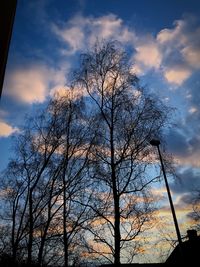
(163, 41)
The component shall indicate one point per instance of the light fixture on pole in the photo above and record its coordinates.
(156, 143)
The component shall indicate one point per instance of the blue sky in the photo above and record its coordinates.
(163, 40)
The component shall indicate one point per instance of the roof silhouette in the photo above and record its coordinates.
(188, 253)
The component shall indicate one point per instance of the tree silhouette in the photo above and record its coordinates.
(125, 118)
(44, 179)
(79, 182)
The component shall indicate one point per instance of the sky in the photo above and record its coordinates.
(163, 40)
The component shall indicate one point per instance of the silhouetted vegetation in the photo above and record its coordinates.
(195, 214)
(78, 188)
(6, 260)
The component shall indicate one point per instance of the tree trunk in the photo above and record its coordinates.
(117, 236)
(117, 228)
(40, 254)
(30, 241)
(14, 253)
(65, 241)
(14, 247)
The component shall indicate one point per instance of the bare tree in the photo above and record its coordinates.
(26, 174)
(80, 176)
(14, 210)
(194, 215)
(73, 161)
(125, 118)
(45, 178)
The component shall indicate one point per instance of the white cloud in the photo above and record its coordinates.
(137, 69)
(193, 110)
(180, 46)
(177, 75)
(149, 55)
(192, 56)
(61, 92)
(58, 92)
(81, 32)
(107, 25)
(74, 36)
(188, 95)
(6, 129)
(171, 47)
(174, 35)
(32, 84)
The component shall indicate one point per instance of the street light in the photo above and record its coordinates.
(156, 143)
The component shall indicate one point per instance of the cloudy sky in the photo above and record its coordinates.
(163, 39)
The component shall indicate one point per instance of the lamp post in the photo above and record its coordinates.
(157, 143)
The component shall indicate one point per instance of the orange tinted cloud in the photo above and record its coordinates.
(6, 129)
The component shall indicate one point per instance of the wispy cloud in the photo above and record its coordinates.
(180, 47)
(80, 32)
(174, 52)
(184, 143)
(187, 182)
(73, 36)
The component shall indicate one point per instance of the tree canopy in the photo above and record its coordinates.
(79, 186)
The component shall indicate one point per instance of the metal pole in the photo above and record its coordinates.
(170, 199)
